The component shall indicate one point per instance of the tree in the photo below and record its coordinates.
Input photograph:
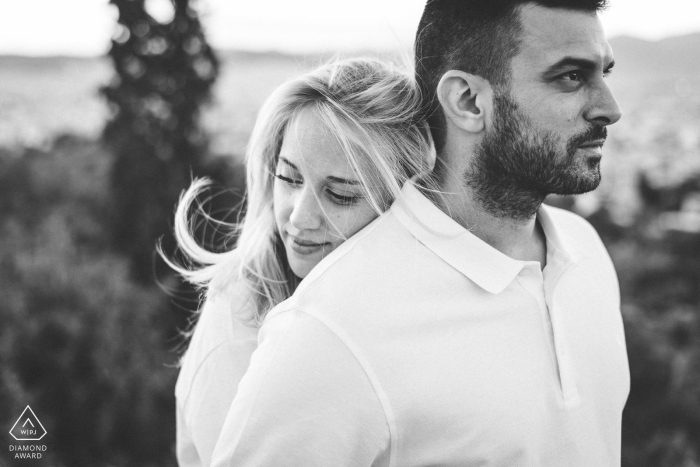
(164, 73)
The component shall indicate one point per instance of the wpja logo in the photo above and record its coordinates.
(28, 428)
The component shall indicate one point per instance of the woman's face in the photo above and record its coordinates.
(318, 200)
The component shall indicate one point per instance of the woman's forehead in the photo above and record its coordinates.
(311, 146)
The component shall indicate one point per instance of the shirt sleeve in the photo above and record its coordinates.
(187, 455)
(213, 388)
(212, 369)
(305, 401)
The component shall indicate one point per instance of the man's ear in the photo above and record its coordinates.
(466, 100)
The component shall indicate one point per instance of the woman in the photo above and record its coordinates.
(329, 153)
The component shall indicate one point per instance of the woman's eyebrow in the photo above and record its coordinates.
(286, 161)
(331, 178)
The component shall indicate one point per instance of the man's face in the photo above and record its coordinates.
(548, 129)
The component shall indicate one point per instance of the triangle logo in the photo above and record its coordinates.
(28, 427)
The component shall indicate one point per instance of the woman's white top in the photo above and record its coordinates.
(216, 360)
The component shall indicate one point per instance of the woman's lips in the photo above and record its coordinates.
(305, 247)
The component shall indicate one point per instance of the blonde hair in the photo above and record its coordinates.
(371, 107)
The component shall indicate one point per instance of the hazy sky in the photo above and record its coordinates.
(84, 27)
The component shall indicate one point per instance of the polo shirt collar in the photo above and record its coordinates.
(480, 262)
(558, 242)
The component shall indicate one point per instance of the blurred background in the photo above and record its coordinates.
(109, 108)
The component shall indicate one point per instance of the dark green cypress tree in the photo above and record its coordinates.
(164, 73)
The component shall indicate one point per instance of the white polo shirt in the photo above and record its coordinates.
(415, 343)
(215, 361)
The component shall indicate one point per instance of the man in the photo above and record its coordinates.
(475, 327)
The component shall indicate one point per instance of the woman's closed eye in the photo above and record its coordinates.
(289, 181)
(337, 197)
(342, 199)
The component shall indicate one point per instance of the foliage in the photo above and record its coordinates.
(164, 74)
(658, 261)
(81, 342)
(87, 337)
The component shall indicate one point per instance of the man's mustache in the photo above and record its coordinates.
(594, 133)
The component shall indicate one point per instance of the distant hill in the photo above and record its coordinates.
(306, 60)
(54, 63)
(672, 56)
(41, 97)
(636, 58)
(668, 57)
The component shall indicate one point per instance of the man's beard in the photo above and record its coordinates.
(517, 164)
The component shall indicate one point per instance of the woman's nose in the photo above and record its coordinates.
(306, 212)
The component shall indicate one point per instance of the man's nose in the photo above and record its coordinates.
(307, 213)
(604, 108)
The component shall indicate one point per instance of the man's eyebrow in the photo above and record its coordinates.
(581, 63)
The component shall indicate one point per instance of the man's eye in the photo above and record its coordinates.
(572, 76)
(288, 181)
(342, 199)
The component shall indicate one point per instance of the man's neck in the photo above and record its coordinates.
(520, 239)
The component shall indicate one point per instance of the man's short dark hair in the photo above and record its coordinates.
(479, 37)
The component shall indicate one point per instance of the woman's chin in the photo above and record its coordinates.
(303, 258)
(302, 270)
(302, 265)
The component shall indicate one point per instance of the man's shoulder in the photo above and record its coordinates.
(356, 276)
(383, 241)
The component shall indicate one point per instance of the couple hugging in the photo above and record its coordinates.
(398, 294)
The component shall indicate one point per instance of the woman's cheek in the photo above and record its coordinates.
(281, 205)
(357, 220)
(336, 222)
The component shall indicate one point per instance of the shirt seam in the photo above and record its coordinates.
(258, 388)
(379, 392)
(201, 364)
